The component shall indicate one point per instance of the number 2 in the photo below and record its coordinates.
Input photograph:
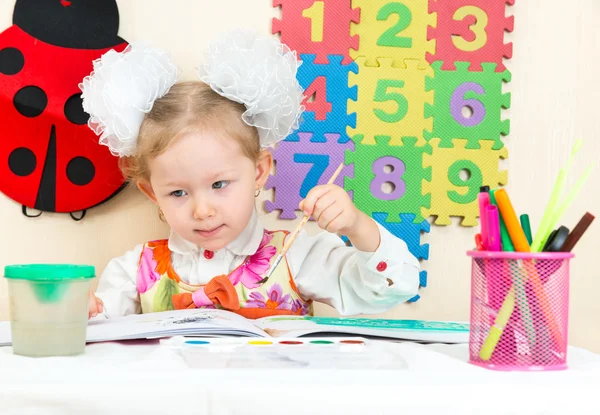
(390, 37)
(319, 164)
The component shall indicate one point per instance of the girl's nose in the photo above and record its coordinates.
(203, 209)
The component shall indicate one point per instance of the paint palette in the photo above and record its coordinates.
(306, 353)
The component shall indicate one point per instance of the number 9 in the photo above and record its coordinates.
(473, 183)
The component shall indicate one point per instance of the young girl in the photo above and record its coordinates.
(198, 150)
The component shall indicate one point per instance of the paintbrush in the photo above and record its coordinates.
(294, 234)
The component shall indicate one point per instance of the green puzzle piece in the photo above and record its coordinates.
(371, 165)
(479, 91)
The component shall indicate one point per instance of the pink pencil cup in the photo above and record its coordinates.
(519, 310)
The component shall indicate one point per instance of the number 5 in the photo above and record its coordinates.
(382, 95)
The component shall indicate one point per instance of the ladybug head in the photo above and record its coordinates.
(78, 24)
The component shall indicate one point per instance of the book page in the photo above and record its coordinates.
(192, 322)
(415, 330)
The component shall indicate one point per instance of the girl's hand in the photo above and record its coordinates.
(96, 306)
(333, 210)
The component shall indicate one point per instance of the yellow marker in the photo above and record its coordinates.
(502, 318)
(260, 342)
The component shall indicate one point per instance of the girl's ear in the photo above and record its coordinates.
(146, 188)
(264, 164)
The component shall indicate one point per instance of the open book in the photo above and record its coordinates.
(217, 323)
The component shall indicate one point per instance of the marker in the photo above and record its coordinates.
(478, 242)
(513, 226)
(484, 201)
(507, 244)
(526, 227)
(577, 232)
(493, 224)
(520, 242)
(556, 240)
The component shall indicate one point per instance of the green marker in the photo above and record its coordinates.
(526, 227)
(507, 244)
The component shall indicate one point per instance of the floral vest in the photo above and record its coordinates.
(244, 291)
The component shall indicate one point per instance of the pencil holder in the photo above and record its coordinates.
(519, 310)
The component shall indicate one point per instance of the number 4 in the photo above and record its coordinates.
(319, 105)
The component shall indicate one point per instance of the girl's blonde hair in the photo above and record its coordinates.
(188, 107)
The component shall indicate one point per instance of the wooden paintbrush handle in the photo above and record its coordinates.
(294, 234)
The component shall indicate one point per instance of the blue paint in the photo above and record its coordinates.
(197, 342)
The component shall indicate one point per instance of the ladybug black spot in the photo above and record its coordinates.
(84, 24)
(11, 61)
(22, 161)
(30, 101)
(74, 110)
(80, 171)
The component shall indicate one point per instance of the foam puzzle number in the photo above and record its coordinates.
(458, 102)
(473, 182)
(319, 164)
(394, 177)
(390, 37)
(316, 14)
(382, 95)
(478, 29)
(319, 105)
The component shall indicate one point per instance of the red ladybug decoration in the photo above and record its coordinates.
(49, 159)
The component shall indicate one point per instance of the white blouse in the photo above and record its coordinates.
(323, 267)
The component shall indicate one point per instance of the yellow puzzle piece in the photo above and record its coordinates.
(392, 29)
(457, 174)
(391, 101)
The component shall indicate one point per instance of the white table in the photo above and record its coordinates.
(146, 378)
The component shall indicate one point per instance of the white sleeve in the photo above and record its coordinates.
(117, 287)
(354, 282)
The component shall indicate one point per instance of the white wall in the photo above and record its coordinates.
(554, 100)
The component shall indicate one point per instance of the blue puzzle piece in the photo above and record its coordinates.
(336, 117)
(408, 231)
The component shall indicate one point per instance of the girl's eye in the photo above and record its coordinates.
(178, 193)
(220, 184)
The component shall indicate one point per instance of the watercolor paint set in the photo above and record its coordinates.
(304, 353)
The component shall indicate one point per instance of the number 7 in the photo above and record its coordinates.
(320, 162)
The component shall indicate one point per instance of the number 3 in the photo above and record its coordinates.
(478, 28)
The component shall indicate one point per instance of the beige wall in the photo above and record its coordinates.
(555, 92)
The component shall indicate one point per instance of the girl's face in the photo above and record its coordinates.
(205, 186)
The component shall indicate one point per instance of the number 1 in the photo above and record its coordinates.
(316, 14)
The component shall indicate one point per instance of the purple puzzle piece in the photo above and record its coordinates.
(300, 166)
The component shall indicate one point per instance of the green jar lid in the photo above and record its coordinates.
(49, 272)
